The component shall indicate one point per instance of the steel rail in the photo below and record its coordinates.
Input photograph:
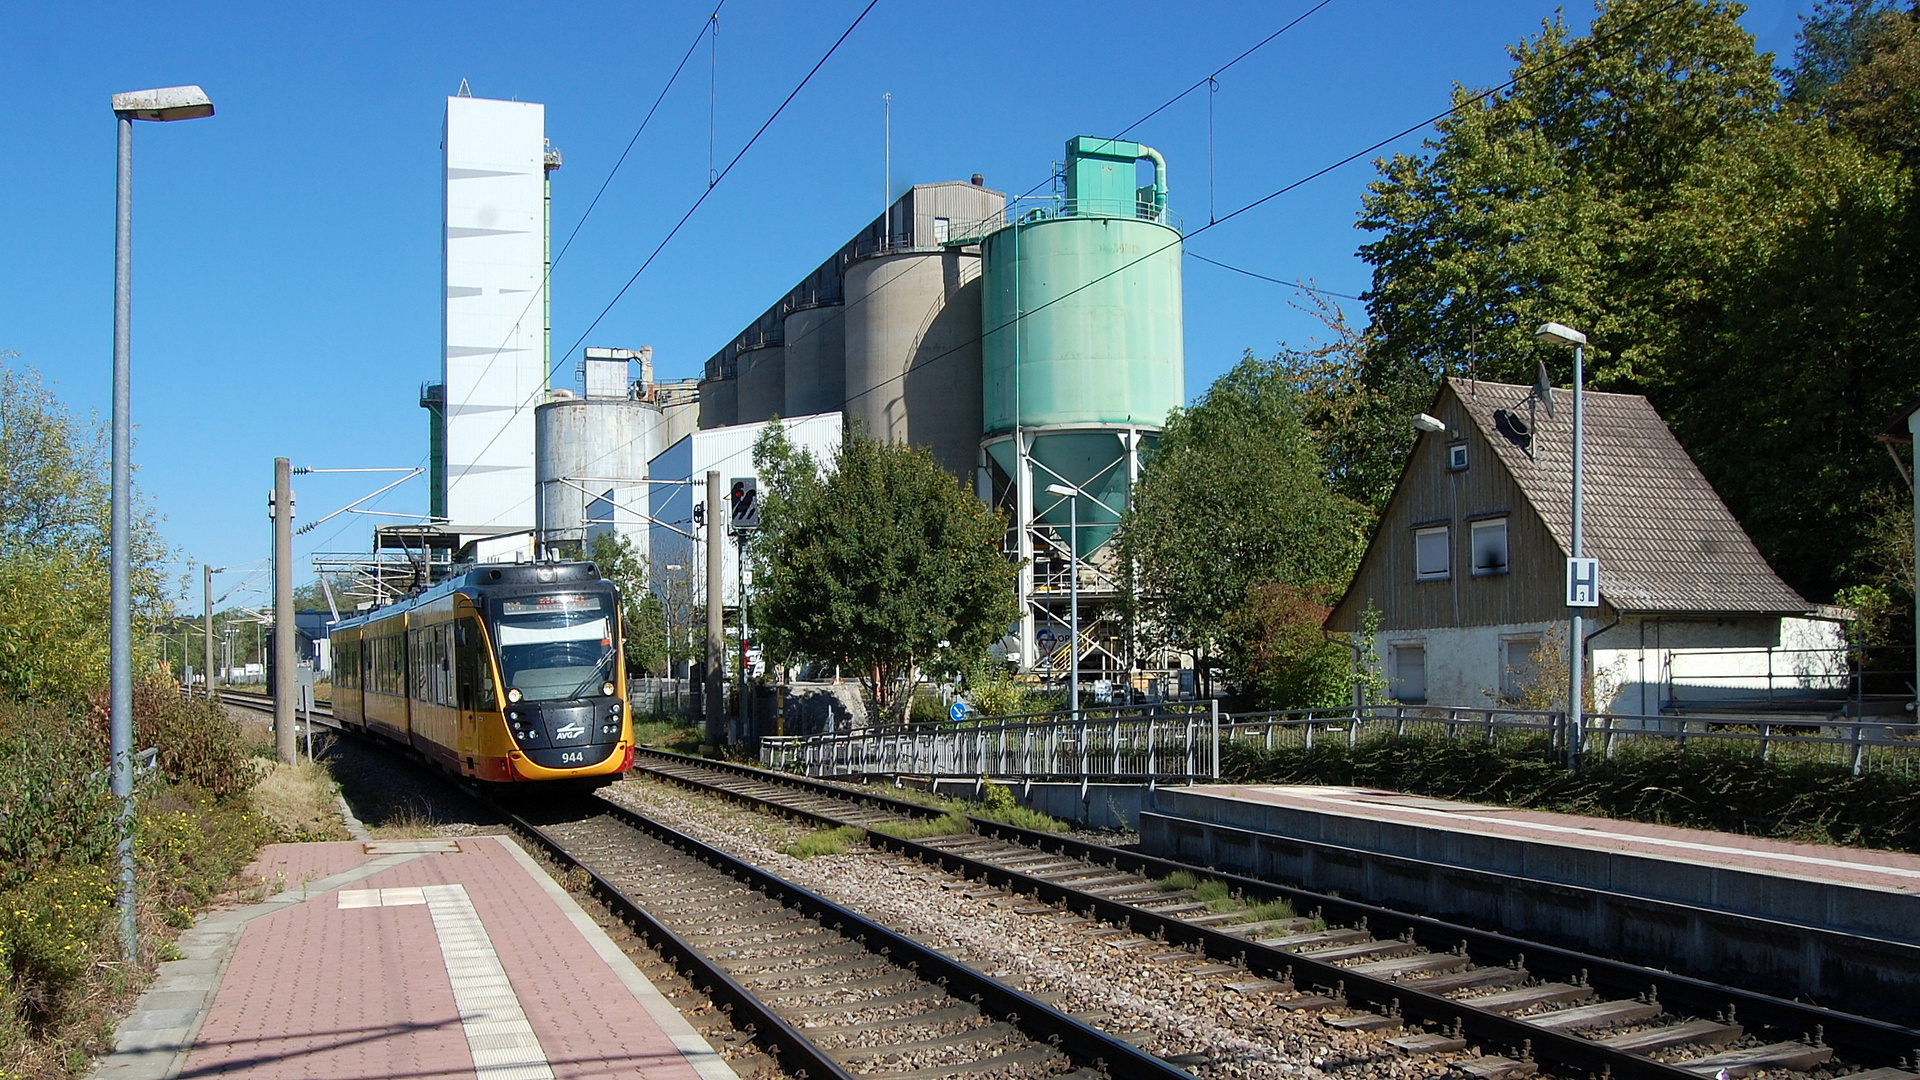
(1038, 1020)
(1866, 1041)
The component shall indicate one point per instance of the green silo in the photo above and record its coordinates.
(1082, 336)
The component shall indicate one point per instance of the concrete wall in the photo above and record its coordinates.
(1641, 663)
(1855, 948)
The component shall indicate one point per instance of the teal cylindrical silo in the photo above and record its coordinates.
(1081, 323)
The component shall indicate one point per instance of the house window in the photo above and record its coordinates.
(1489, 547)
(1432, 559)
(942, 230)
(1519, 668)
(1410, 673)
(1456, 456)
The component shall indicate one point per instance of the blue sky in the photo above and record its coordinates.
(286, 254)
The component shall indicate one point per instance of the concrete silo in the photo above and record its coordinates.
(591, 452)
(720, 391)
(1082, 359)
(912, 326)
(816, 362)
(762, 382)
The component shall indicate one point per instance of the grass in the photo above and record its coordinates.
(674, 735)
(834, 841)
(951, 823)
(1220, 899)
(299, 800)
(408, 821)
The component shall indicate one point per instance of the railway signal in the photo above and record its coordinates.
(744, 498)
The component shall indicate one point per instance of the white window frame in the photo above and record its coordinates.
(1487, 525)
(942, 230)
(1456, 457)
(1445, 532)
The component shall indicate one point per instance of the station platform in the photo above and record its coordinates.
(408, 958)
(1812, 920)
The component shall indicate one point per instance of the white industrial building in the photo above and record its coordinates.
(494, 365)
(679, 476)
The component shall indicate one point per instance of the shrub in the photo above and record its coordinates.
(51, 931)
(199, 743)
(56, 805)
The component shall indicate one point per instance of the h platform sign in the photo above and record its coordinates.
(744, 497)
(1583, 582)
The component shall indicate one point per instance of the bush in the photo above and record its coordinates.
(52, 929)
(56, 805)
(199, 743)
(1703, 785)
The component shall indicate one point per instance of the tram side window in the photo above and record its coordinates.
(472, 673)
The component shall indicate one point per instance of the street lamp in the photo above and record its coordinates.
(169, 103)
(1071, 493)
(1555, 334)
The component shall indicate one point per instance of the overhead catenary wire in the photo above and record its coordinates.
(1275, 280)
(684, 218)
(710, 23)
(1591, 45)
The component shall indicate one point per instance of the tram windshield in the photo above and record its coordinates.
(557, 646)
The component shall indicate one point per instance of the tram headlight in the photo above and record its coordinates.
(514, 694)
(607, 689)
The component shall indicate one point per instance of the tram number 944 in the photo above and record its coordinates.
(574, 757)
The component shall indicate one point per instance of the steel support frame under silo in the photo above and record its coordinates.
(1106, 644)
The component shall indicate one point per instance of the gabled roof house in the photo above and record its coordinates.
(1467, 566)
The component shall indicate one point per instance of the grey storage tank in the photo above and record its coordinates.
(591, 452)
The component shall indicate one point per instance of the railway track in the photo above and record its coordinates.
(834, 993)
(1435, 987)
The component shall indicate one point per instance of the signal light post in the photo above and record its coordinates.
(716, 615)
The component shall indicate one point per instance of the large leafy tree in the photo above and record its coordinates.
(1234, 500)
(878, 561)
(54, 497)
(1738, 257)
(643, 622)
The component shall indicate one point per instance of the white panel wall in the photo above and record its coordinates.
(493, 253)
(729, 450)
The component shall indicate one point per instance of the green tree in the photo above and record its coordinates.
(1735, 256)
(1233, 499)
(55, 493)
(879, 561)
(646, 633)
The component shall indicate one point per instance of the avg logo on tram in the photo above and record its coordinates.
(504, 674)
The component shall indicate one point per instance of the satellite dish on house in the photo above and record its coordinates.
(1543, 388)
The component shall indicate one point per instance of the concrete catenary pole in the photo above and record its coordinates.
(206, 621)
(283, 628)
(716, 613)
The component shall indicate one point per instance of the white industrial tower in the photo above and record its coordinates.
(494, 363)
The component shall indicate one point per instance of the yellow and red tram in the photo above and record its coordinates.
(503, 673)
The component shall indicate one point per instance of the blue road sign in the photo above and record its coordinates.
(958, 712)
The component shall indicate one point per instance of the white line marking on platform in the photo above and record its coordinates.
(501, 1040)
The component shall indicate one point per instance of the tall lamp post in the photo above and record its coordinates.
(170, 103)
(1555, 334)
(1071, 494)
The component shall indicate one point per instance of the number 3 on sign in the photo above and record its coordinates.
(1583, 582)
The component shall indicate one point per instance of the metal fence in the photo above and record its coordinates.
(662, 697)
(1184, 744)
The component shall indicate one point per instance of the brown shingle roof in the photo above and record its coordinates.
(1665, 541)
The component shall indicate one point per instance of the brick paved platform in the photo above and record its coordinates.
(440, 958)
